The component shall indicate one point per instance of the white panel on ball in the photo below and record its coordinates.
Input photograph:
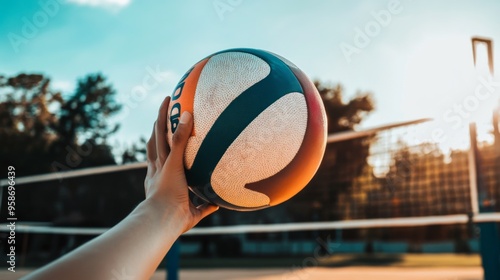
(234, 72)
(264, 148)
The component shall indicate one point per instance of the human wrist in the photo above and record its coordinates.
(171, 217)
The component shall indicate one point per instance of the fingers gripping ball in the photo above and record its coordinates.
(259, 129)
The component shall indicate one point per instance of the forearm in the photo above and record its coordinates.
(133, 248)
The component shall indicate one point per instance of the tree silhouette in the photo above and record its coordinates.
(26, 121)
(135, 153)
(87, 110)
(40, 130)
(83, 118)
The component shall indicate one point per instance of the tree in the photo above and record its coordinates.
(83, 126)
(135, 153)
(41, 131)
(26, 120)
(87, 110)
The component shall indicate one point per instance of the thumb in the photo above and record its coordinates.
(179, 141)
(200, 212)
(205, 210)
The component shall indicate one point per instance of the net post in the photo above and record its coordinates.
(173, 257)
(489, 238)
(473, 180)
(1, 198)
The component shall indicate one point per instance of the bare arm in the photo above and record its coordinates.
(135, 247)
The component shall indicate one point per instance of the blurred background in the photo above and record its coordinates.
(410, 178)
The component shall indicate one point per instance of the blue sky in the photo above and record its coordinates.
(417, 62)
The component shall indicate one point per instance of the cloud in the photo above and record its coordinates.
(108, 4)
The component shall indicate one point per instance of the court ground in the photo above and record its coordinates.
(350, 273)
(337, 267)
(316, 273)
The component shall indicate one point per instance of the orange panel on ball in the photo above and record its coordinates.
(183, 96)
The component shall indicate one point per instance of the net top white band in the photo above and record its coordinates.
(368, 223)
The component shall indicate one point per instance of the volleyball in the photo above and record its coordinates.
(259, 130)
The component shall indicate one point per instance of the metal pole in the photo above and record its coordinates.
(489, 241)
(489, 48)
(173, 257)
(473, 187)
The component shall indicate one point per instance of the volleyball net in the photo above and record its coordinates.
(392, 183)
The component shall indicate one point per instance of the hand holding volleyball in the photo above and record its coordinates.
(259, 130)
(165, 184)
